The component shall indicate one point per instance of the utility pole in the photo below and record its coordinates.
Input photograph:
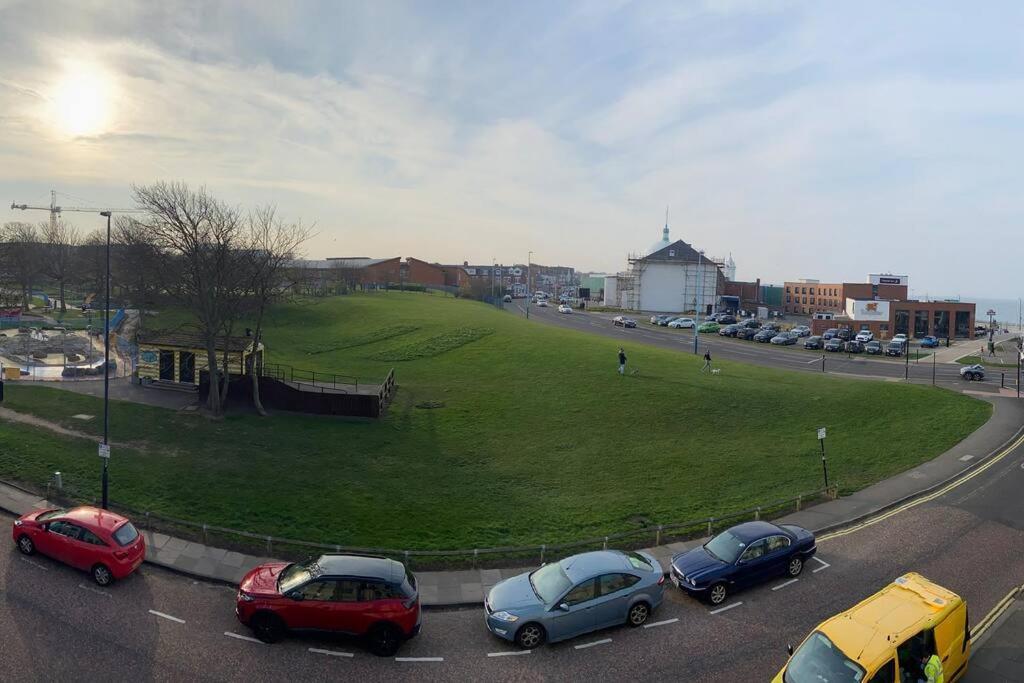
(529, 283)
(700, 302)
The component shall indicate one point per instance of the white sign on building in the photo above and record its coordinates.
(861, 309)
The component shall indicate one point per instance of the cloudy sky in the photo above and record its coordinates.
(811, 139)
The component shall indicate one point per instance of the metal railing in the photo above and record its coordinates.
(287, 373)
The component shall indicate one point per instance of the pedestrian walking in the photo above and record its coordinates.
(707, 361)
(622, 361)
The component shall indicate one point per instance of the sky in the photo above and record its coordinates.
(807, 139)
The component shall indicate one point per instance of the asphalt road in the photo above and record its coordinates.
(786, 357)
(55, 625)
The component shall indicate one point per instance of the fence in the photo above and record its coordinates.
(286, 548)
(287, 373)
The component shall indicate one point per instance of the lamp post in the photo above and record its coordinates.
(105, 446)
(700, 302)
(529, 284)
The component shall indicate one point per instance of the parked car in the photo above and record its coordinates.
(372, 597)
(681, 323)
(726, 319)
(656, 319)
(665, 320)
(801, 331)
(622, 321)
(854, 346)
(742, 556)
(507, 298)
(543, 303)
(973, 372)
(729, 330)
(98, 541)
(930, 342)
(813, 343)
(829, 333)
(900, 338)
(784, 338)
(764, 335)
(579, 594)
(834, 344)
(895, 348)
(844, 333)
(747, 332)
(751, 323)
(774, 327)
(564, 308)
(864, 336)
(873, 348)
(708, 327)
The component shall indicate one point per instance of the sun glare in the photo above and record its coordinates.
(81, 100)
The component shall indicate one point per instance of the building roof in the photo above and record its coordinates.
(338, 262)
(678, 251)
(190, 340)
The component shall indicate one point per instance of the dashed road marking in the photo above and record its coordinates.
(229, 634)
(332, 653)
(824, 565)
(166, 616)
(783, 585)
(584, 646)
(965, 458)
(661, 623)
(34, 564)
(419, 659)
(97, 591)
(727, 607)
(510, 653)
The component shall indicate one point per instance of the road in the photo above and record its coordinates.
(784, 357)
(161, 626)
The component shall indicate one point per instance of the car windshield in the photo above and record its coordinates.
(49, 515)
(126, 534)
(296, 574)
(725, 547)
(819, 660)
(549, 582)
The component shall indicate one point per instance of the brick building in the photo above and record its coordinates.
(807, 297)
(885, 319)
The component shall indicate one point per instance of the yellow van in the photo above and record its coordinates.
(886, 638)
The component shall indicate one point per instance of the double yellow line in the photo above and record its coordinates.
(995, 613)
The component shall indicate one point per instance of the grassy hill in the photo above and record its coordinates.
(532, 435)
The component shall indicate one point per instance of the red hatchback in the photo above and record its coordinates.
(105, 544)
(357, 595)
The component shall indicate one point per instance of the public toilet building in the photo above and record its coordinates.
(180, 357)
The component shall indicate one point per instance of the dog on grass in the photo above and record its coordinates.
(716, 371)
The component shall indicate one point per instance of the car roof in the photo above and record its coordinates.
(94, 518)
(752, 531)
(585, 565)
(361, 565)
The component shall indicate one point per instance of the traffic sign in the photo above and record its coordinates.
(105, 450)
(821, 433)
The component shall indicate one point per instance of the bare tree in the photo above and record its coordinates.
(90, 265)
(206, 243)
(60, 240)
(21, 256)
(137, 260)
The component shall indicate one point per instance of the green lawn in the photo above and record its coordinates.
(537, 440)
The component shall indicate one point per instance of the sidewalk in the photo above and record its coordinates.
(971, 347)
(468, 587)
(998, 656)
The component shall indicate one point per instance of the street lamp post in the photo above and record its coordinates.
(105, 448)
(700, 296)
(529, 284)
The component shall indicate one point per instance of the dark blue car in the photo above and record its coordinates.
(744, 555)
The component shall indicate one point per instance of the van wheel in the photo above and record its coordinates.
(718, 593)
(267, 627)
(25, 545)
(384, 640)
(796, 565)
(101, 575)
(530, 636)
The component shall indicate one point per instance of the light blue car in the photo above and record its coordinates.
(576, 595)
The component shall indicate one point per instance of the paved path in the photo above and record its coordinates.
(998, 657)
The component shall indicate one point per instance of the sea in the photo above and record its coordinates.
(1008, 311)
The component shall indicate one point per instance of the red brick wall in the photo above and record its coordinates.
(423, 273)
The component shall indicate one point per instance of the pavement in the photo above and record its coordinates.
(998, 656)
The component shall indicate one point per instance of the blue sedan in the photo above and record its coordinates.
(576, 595)
(744, 555)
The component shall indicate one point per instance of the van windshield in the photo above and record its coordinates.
(818, 659)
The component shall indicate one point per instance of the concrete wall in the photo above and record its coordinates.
(611, 292)
(678, 287)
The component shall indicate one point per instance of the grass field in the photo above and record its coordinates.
(533, 437)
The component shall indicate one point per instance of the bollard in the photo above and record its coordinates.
(657, 536)
(408, 565)
(757, 513)
(606, 543)
(58, 481)
(475, 554)
(798, 503)
(268, 546)
(712, 519)
(204, 534)
(1002, 380)
(543, 547)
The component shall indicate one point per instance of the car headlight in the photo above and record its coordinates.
(692, 582)
(505, 616)
(18, 522)
(245, 597)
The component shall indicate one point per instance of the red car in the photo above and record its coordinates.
(373, 597)
(105, 544)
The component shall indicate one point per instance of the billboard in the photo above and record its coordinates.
(861, 309)
(887, 279)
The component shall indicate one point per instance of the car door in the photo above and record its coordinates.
(578, 614)
(752, 565)
(66, 546)
(94, 549)
(613, 596)
(313, 608)
(777, 555)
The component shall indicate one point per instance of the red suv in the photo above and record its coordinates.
(354, 594)
(99, 541)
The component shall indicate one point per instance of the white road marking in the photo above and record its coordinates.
(727, 607)
(783, 585)
(229, 634)
(965, 458)
(824, 565)
(332, 653)
(34, 564)
(814, 360)
(97, 591)
(419, 659)
(661, 623)
(510, 653)
(166, 616)
(596, 642)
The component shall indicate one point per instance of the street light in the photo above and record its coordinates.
(529, 284)
(105, 447)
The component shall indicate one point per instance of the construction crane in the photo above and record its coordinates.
(54, 209)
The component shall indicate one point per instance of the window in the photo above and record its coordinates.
(347, 590)
(885, 674)
(941, 327)
(612, 583)
(803, 299)
(638, 561)
(755, 551)
(318, 590)
(787, 290)
(920, 323)
(803, 290)
(963, 323)
(812, 299)
(902, 322)
(66, 529)
(777, 543)
(812, 290)
(126, 534)
(581, 593)
(374, 590)
(91, 538)
(912, 652)
(787, 299)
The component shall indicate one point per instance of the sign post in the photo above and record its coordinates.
(824, 466)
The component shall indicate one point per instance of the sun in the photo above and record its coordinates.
(81, 100)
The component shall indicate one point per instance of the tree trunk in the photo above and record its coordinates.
(213, 398)
(63, 307)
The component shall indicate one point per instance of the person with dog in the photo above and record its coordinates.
(622, 361)
(707, 361)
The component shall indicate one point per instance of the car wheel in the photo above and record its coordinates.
(796, 565)
(718, 593)
(267, 627)
(638, 614)
(530, 636)
(101, 575)
(384, 640)
(25, 545)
